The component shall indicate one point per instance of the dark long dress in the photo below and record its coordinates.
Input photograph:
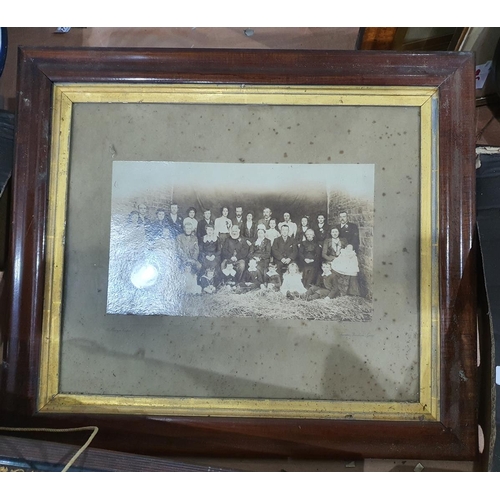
(261, 252)
(208, 249)
(310, 250)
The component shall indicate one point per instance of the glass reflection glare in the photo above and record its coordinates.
(144, 275)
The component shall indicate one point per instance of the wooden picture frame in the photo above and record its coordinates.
(444, 426)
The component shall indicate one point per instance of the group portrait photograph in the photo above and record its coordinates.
(230, 240)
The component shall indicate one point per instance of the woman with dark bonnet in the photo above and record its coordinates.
(260, 251)
(210, 251)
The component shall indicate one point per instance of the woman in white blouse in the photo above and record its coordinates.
(223, 225)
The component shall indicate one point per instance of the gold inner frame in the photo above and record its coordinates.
(64, 95)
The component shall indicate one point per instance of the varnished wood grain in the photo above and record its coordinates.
(454, 438)
(230, 37)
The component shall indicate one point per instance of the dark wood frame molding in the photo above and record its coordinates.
(453, 438)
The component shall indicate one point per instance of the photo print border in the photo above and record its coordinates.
(147, 257)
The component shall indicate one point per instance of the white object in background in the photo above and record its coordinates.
(498, 375)
(62, 30)
(482, 71)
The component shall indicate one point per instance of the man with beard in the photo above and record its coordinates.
(238, 219)
(266, 213)
(234, 252)
(349, 231)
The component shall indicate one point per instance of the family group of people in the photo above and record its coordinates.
(309, 260)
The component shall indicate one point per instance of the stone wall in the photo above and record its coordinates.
(359, 212)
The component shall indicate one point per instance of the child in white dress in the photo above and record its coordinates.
(347, 262)
(292, 282)
(347, 268)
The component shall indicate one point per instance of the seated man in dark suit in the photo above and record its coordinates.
(292, 227)
(284, 250)
(235, 251)
(349, 231)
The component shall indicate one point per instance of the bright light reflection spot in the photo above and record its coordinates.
(144, 275)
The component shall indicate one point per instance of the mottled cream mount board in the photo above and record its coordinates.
(50, 399)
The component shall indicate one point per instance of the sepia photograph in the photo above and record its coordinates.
(290, 241)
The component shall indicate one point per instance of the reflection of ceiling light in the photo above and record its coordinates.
(144, 275)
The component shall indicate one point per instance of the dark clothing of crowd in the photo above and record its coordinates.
(217, 261)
